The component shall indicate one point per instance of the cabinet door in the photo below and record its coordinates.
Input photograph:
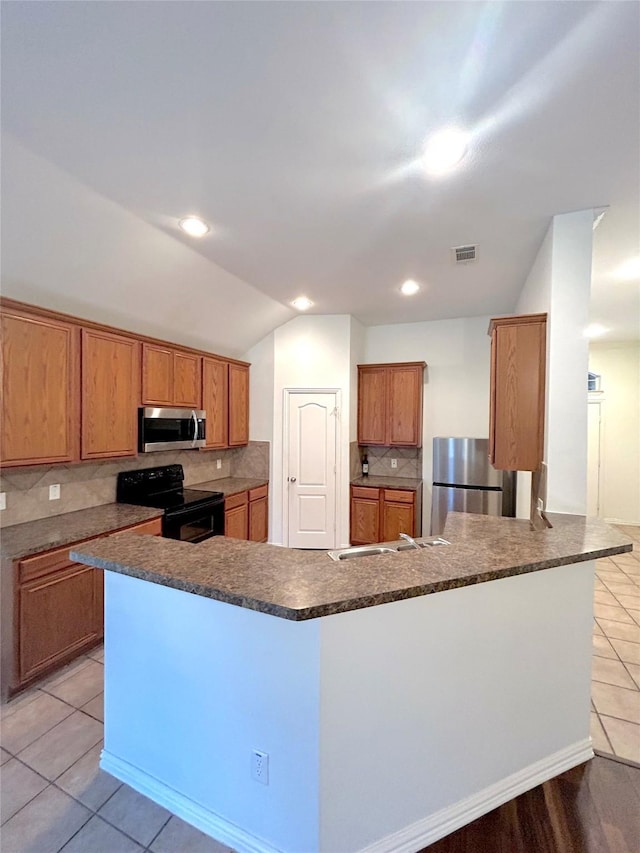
(40, 387)
(238, 404)
(518, 393)
(259, 520)
(372, 405)
(397, 518)
(215, 400)
(58, 616)
(110, 377)
(365, 516)
(236, 522)
(157, 376)
(187, 380)
(404, 405)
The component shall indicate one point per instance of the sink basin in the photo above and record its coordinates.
(372, 550)
(423, 543)
(360, 551)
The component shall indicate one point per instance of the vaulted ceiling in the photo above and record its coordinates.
(295, 130)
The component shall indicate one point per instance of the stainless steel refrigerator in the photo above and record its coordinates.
(465, 481)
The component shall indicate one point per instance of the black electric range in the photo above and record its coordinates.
(189, 514)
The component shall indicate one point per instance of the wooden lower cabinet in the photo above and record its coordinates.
(398, 510)
(259, 514)
(365, 515)
(236, 516)
(246, 515)
(58, 609)
(381, 515)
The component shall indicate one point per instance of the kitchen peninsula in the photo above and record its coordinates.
(396, 696)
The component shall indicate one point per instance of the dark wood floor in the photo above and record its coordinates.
(594, 808)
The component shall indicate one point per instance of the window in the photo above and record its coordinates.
(593, 382)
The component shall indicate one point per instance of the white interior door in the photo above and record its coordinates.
(310, 469)
(593, 458)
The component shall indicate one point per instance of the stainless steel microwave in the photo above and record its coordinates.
(170, 429)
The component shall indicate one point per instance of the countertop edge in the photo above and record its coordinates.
(358, 603)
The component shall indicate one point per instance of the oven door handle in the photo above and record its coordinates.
(195, 427)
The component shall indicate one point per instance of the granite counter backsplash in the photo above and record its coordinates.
(93, 483)
(20, 540)
(301, 585)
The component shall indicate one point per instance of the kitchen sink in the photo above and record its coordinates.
(422, 543)
(389, 548)
(360, 551)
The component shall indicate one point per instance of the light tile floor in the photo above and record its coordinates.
(55, 798)
(615, 676)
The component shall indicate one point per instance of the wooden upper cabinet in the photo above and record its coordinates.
(170, 377)
(187, 384)
(110, 394)
(40, 390)
(517, 402)
(157, 376)
(238, 404)
(405, 384)
(390, 404)
(215, 400)
(372, 405)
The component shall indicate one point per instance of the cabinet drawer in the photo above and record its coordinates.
(403, 497)
(53, 561)
(259, 492)
(44, 564)
(367, 493)
(233, 501)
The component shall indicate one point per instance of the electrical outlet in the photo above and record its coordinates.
(54, 492)
(394, 463)
(218, 464)
(3, 500)
(260, 766)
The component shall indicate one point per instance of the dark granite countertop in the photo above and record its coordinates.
(230, 485)
(31, 537)
(378, 482)
(302, 585)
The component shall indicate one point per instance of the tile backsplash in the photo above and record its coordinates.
(409, 461)
(88, 484)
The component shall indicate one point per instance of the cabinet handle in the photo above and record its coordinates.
(292, 479)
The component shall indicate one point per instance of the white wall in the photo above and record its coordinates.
(559, 284)
(456, 393)
(386, 727)
(262, 360)
(312, 352)
(68, 248)
(619, 366)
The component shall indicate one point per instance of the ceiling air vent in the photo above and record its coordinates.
(464, 254)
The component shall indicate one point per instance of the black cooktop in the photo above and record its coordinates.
(161, 487)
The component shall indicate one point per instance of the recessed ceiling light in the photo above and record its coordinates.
(194, 226)
(410, 287)
(302, 303)
(595, 330)
(629, 270)
(444, 150)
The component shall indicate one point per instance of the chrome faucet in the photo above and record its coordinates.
(410, 539)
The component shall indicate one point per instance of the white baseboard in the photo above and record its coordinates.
(194, 813)
(431, 829)
(622, 522)
(407, 840)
